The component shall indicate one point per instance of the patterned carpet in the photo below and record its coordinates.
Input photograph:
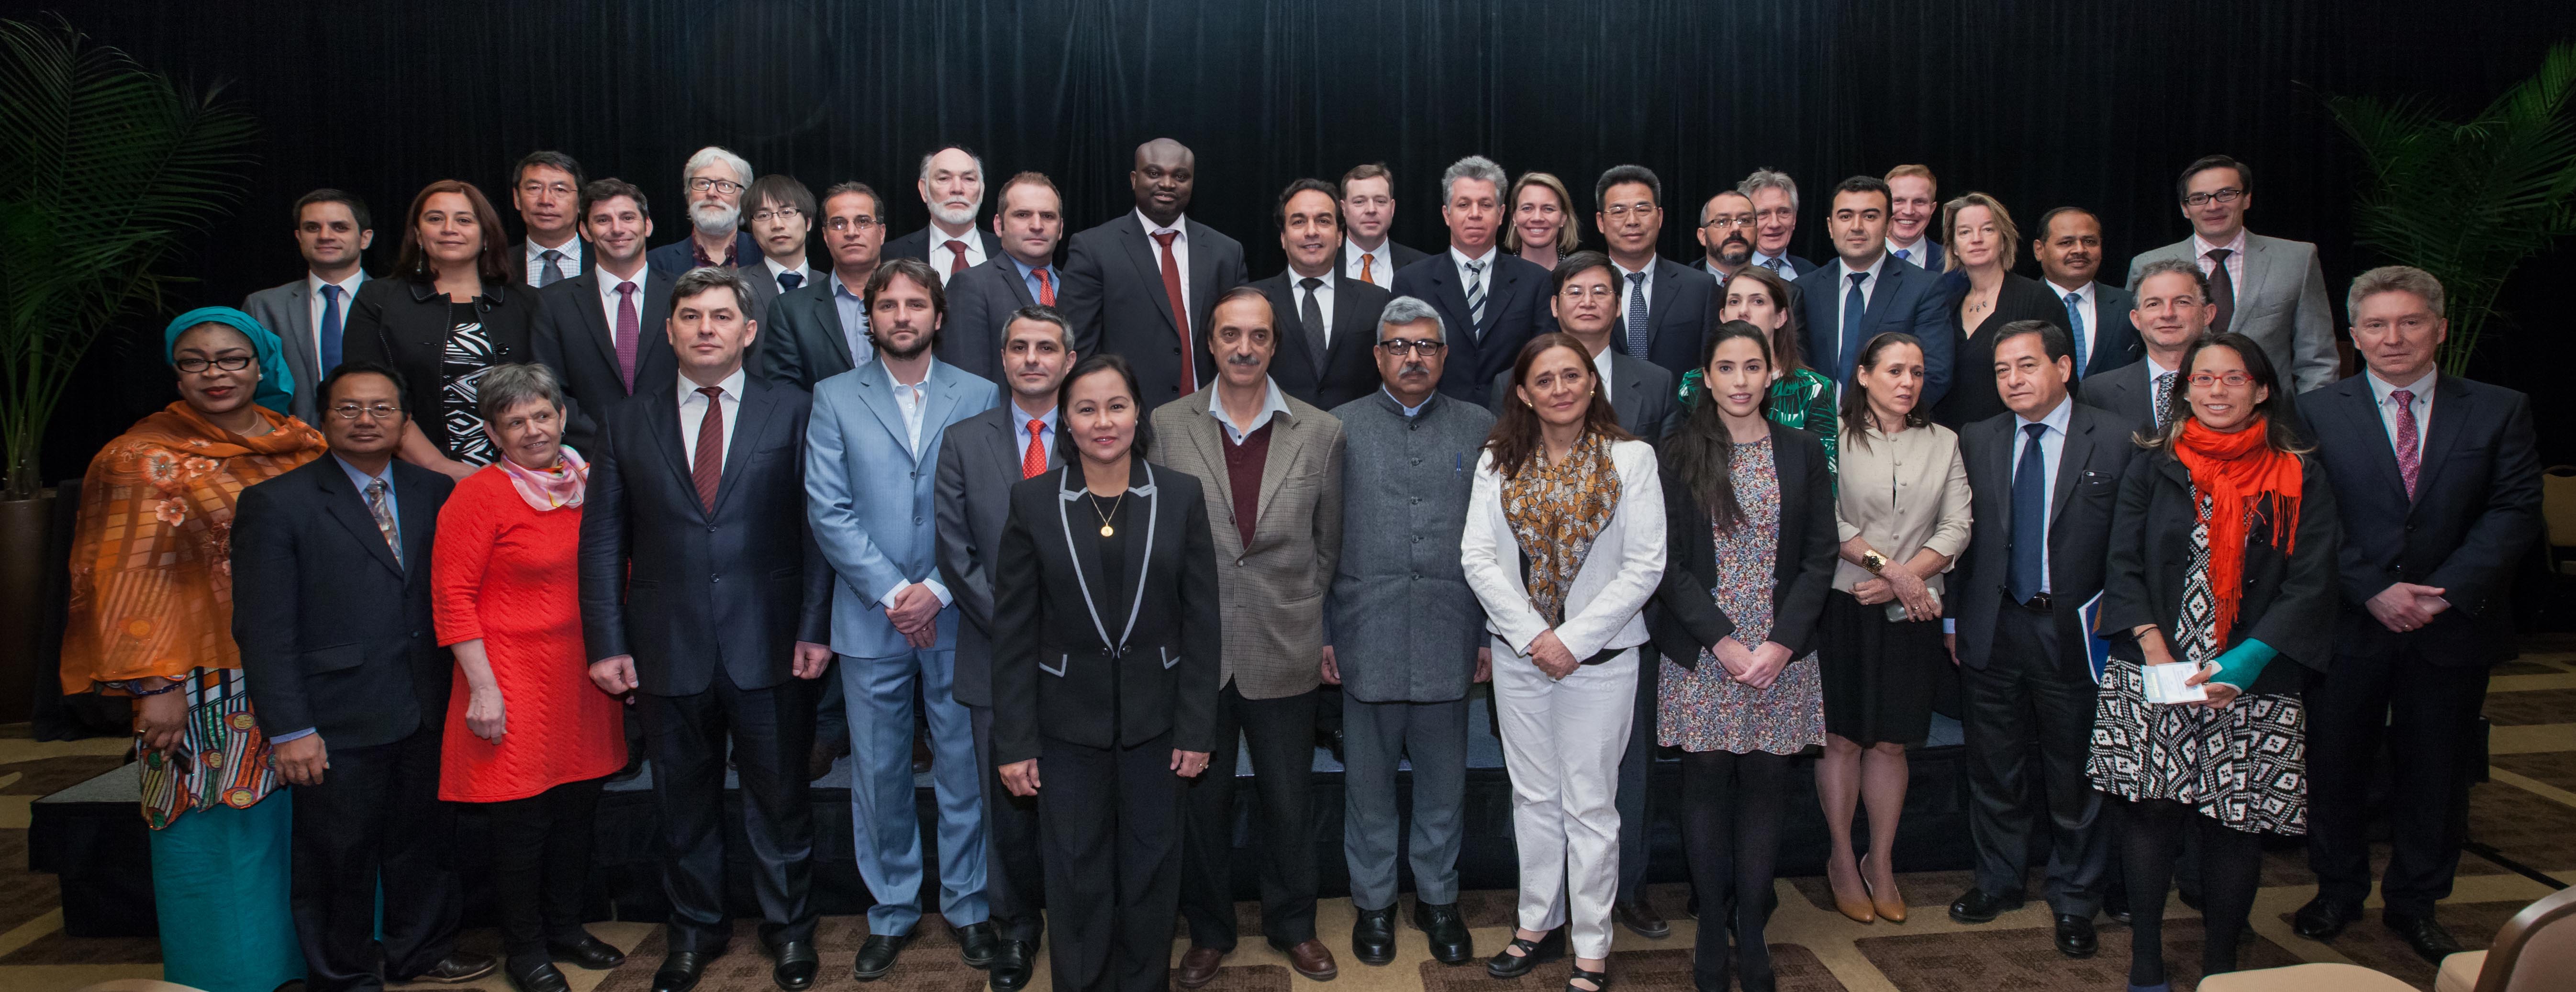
(2525, 815)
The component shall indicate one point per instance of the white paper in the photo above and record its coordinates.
(2165, 684)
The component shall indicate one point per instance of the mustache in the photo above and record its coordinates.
(1413, 368)
(1243, 358)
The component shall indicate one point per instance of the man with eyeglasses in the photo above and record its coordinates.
(714, 180)
(1404, 634)
(1726, 234)
(821, 329)
(2269, 289)
(1369, 252)
(1324, 351)
(547, 192)
(1775, 221)
(1663, 304)
(332, 231)
(782, 218)
(952, 186)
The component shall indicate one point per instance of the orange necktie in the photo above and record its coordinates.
(1046, 288)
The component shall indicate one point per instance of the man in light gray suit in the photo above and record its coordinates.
(332, 229)
(982, 301)
(2268, 289)
(1406, 635)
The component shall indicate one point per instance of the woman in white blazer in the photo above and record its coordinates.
(1564, 545)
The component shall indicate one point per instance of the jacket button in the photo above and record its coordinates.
(916, 521)
(715, 578)
(711, 528)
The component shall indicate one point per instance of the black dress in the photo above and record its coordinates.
(1972, 396)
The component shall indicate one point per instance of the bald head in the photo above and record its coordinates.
(1165, 172)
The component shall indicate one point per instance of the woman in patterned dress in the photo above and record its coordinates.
(151, 617)
(452, 310)
(1735, 620)
(1800, 397)
(2223, 558)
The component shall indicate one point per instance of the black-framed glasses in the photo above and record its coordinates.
(229, 363)
(702, 184)
(380, 411)
(1426, 347)
(784, 214)
(2227, 195)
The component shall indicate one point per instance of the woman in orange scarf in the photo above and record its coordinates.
(151, 618)
(2223, 558)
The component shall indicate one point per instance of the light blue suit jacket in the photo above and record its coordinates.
(870, 497)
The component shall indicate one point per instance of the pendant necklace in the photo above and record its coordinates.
(1105, 529)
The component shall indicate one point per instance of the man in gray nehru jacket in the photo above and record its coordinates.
(1402, 631)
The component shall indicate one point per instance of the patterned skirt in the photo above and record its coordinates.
(222, 758)
(2244, 766)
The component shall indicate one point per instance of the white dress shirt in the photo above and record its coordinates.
(1323, 301)
(608, 283)
(2052, 455)
(568, 262)
(909, 399)
(2088, 298)
(1842, 286)
(693, 411)
(804, 272)
(1273, 404)
(1382, 267)
(1913, 253)
(1180, 255)
(1484, 279)
(1601, 367)
(942, 256)
(315, 303)
(1626, 287)
(2422, 404)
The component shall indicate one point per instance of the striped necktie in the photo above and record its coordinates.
(1476, 298)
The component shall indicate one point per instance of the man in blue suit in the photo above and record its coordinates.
(1861, 297)
(2069, 247)
(714, 180)
(872, 451)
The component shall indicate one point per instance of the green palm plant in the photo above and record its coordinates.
(108, 167)
(2468, 200)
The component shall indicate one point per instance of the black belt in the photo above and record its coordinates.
(1603, 656)
(2036, 604)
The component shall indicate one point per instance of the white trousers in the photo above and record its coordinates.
(1562, 739)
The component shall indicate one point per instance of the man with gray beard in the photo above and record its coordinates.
(713, 182)
(952, 186)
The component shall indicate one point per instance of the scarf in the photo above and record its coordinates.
(1555, 510)
(276, 389)
(554, 488)
(2237, 471)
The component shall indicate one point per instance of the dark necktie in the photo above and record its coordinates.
(707, 468)
(788, 281)
(329, 336)
(2163, 398)
(553, 270)
(2029, 517)
(1180, 312)
(1854, 307)
(1639, 327)
(1905, 255)
(2410, 451)
(2075, 329)
(628, 329)
(956, 256)
(1312, 314)
(1778, 265)
(2222, 290)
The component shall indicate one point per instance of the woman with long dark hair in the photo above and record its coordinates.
(453, 309)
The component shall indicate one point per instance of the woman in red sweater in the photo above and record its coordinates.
(527, 734)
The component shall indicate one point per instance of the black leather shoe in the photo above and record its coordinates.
(1373, 936)
(2323, 918)
(634, 767)
(976, 942)
(1980, 906)
(1446, 930)
(536, 975)
(680, 971)
(2075, 936)
(2115, 904)
(1013, 963)
(795, 965)
(2430, 941)
(1639, 916)
(456, 967)
(876, 956)
(1505, 964)
(587, 953)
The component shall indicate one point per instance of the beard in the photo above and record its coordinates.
(711, 218)
(1734, 250)
(959, 217)
(919, 345)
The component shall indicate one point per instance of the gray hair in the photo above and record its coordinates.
(2395, 279)
(1043, 314)
(1770, 178)
(1472, 167)
(934, 153)
(2184, 266)
(505, 386)
(716, 155)
(1409, 310)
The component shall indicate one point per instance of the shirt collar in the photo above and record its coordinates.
(1274, 403)
(313, 282)
(608, 282)
(1893, 247)
(840, 288)
(1409, 411)
(732, 386)
(536, 250)
(1874, 269)
(2084, 292)
(1625, 272)
(1294, 280)
(1026, 268)
(927, 370)
(2154, 370)
(1461, 258)
(361, 479)
(1764, 260)
(802, 270)
(2235, 246)
(1180, 223)
(2058, 417)
(1020, 418)
(1385, 249)
(2422, 387)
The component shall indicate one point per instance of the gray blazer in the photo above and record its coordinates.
(287, 311)
(2281, 305)
(1641, 393)
(1270, 593)
(980, 303)
(979, 462)
(2125, 392)
(1403, 624)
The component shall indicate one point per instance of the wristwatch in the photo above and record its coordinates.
(1873, 561)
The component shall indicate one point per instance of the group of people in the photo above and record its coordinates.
(489, 529)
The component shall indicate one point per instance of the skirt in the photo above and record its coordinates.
(220, 879)
(1880, 675)
(2245, 766)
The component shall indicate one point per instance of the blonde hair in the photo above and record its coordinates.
(1567, 238)
(2008, 237)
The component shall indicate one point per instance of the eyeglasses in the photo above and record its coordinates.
(1625, 209)
(783, 214)
(702, 184)
(2234, 380)
(1425, 347)
(1725, 223)
(850, 223)
(1597, 292)
(533, 188)
(2227, 195)
(380, 411)
(228, 363)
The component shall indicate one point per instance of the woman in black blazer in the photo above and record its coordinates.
(1749, 506)
(2222, 557)
(452, 310)
(1984, 296)
(1105, 641)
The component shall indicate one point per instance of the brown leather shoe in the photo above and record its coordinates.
(1312, 959)
(1198, 967)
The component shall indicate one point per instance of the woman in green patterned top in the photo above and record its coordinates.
(1800, 397)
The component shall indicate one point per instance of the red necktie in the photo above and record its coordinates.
(1180, 312)
(627, 329)
(708, 467)
(1046, 288)
(2410, 456)
(956, 256)
(1035, 461)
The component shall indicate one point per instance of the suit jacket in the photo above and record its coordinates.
(1906, 299)
(406, 324)
(1398, 256)
(2124, 392)
(803, 343)
(1641, 392)
(2281, 304)
(2115, 338)
(1679, 309)
(2288, 601)
(1516, 294)
(1348, 369)
(979, 462)
(2475, 513)
(1113, 296)
(677, 257)
(288, 310)
(868, 496)
(519, 257)
(573, 338)
(918, 244)
(1057, 630)
(1927, 254)
(335, 633)
(2096, 455)
(981, 301)
(654, 561)
(1685, 620)
(764, 288)
(1271, 590)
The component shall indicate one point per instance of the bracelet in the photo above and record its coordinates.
(128, 686)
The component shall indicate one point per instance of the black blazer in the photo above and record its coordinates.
(2115, 338)
(2475, 513)
(1972, 397)
(2097, 454)
(572, 337)
(1113, 296)
(1680, 309)
(917, 245)
(405, 324)
(803, 343)
(2125, 393)
(981, 301)
(685, 589)
(519, 257)
(335, 635)
(1349, 370)
(1516, 294)
(2288, 601)
(1050, 660)
(1683, 619)
(677, 257)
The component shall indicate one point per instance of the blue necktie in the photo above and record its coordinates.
(2029, 517)
(330, 333)
(1905, 255)
(1853, 307)
(1638, 326)
(2075, 329)
(788, 281)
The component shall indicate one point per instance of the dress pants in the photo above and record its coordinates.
(2029, 694)
(2427, 714)
(375, 819)
(1375, 737)
(880, 694)
(1282, 736)
(771, 730)
(1562, 739)
(1636, 798)
(1113, 863)
(1014, 873)
(541, 865)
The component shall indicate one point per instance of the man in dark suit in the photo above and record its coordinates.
(332, 611)
(2435, 517)
(952, 186)
(1327, 322)
(782, 222)
(982, 301)
(601, 331)
(2069, 247)
(713, 180)
(1775, 212)
(1664, 306)
(2046, 477)
(332, 230)
(1369, 254)
(546, 188)
(1914, 202)
(2171, 312)
(1142, 284)
(980, 459)
(1725, 235)
(1491, 300)
(705, 477)
(1860, 297)
(821, 329)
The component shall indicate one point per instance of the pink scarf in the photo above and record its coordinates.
(560, 486)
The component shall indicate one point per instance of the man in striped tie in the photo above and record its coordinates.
(1491, 300)
(982, 301)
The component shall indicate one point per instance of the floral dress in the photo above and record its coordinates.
(1705, 709)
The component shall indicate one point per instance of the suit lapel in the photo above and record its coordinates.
(1499, 280)
(1287, 438)
(596, 320)
(2073, 456)
(1452, 297)
(2450, 411)
(876, 392)
(2361, 405)
(1148, 256)
(759, 402)
(1628, 392)
(665, 414)
(2258, 268)
(1082, 539)
(1209, 437)
(349, 506)
(1139, 550)
(416, 519)
(1202, 274)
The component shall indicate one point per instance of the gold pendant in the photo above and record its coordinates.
(1106, 530)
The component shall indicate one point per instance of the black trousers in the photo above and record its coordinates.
(2427, 715)
(1014, 873)
(770, 730)
(1282, 736)
(1634, 800)
(1731, 814)
(541, 865)
(375, 818)
(2030, 698)
(1113, 863)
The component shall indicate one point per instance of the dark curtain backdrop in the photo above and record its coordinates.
(2038, 103)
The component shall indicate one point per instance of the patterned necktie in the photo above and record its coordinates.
(956, 257)
(1311, 314)
(384, 514)
(1034, 461)
(2222, 290)
(2029, 517)
(553, 270)
(329, 336)
(1368, 272)
(628, 329)
(788, 281)
(2410, 455)
(1776, 265)
(1046, 287)
(1476, 298)
(1180, 312)
(2163, 399)
(2075, 329)
(1639, 327)
(707, 468)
